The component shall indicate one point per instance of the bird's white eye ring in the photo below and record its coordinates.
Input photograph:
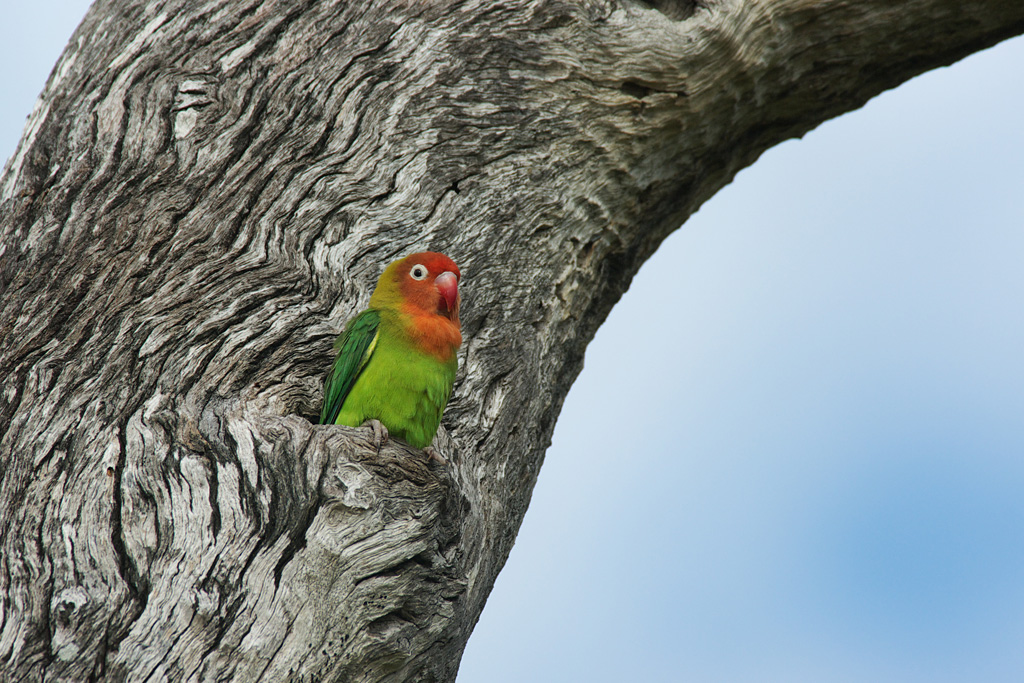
(418, 272)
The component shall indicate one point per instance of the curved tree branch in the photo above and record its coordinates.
(205, 193)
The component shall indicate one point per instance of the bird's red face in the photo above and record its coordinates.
(430, 282)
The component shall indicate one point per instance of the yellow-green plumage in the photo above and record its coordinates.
(397, 360)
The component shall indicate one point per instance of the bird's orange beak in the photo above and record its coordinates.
(448, 287)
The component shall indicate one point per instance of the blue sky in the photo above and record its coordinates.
(796, 452)
(816, 470)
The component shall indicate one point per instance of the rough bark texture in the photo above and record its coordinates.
(206, 191)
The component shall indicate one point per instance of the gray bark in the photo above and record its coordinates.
(207, 191)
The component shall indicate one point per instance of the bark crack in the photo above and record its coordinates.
(137, 590)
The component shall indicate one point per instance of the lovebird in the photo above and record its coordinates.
(396, 360)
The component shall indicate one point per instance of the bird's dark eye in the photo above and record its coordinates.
(418, 272)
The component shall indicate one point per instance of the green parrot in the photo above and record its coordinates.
(396, 360)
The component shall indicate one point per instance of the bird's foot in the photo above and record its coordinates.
(380, 433)
(432, 454)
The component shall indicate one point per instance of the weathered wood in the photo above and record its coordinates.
(207, 191)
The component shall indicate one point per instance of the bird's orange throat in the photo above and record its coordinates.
(435, 334)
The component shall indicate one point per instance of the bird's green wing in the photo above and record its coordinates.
(354, 346)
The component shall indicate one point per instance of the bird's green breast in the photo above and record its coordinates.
(403, 387)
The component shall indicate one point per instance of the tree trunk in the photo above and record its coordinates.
(205, 193)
